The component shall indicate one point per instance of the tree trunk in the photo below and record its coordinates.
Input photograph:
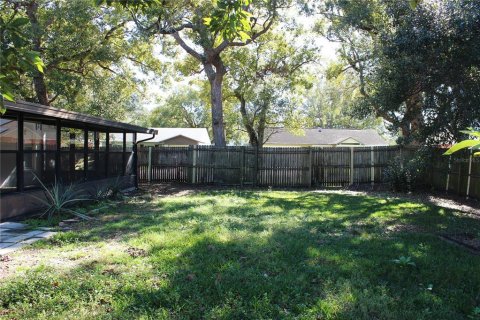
(215, 77)
(247, 123)
(38, 78)
(262, 122)
(412, 121)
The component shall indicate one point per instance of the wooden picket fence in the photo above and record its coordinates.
(299, 167)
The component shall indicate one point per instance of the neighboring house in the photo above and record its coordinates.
(176, 137)
(318, 137)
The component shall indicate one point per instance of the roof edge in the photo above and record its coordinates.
(40, 109)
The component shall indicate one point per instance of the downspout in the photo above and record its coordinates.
(151, 131)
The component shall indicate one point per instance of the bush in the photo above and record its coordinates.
(408, 174)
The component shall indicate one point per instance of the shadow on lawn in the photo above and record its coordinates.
(302, 272)
(319, 268)
(289, 257)
(349, 211)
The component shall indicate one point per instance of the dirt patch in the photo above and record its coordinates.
(437, 198)
(394, 228)
(136, 252)
(465, 239)
(62, 261)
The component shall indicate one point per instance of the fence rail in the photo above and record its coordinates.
(298, 167)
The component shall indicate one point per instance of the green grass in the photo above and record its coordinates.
(252, 255)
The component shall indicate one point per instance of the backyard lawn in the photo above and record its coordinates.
(250, 255)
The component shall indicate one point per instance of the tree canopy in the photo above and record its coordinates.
(417, 64)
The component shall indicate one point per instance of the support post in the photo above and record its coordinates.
(124, 155)
(372, 166)
(58, 150)
(310, 167)
(242, 165)
(149, 168)
(194, 164)
(135, 160)
(20, 154)
(85, 154)
(469, 172)
(107, 152)
(447, 185)
(351, 165)
(256, 166)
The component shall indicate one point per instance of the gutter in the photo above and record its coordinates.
(151, 131)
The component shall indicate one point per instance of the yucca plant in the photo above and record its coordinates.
(59, 197)
(100, 193)
(115, 188)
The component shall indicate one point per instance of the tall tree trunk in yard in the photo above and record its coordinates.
(413, 119)
(262, 122)
(247, 122)
(39, 84)
(215, 73)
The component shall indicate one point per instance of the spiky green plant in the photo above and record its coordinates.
(100, 193)
(59, 197)
(115, 188)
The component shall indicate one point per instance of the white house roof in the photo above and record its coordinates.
(196, 134)
(319, 136)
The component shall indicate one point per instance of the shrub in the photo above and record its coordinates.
(407, 174)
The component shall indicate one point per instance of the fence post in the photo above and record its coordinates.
(256, 166)
(469, 172)
(310, 167)
(242, 165)
(149, 169)
(372, 166)
(194, 164)
(447, 185)
(351, 165)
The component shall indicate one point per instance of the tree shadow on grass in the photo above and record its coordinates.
(300, 272)
(284, 257)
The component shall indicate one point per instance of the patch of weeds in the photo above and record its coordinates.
(404, 262)
(63, 238)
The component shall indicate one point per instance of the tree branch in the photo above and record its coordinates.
(187, 48)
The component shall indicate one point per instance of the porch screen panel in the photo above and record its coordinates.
(39, 146)
(115, 156)
(8, 154)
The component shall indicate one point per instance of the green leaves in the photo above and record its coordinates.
(414, 3)
(15, 56)
(230, 19)
(473, 144)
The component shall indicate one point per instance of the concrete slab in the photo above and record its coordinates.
(12, 225)
(11, 249)
(24, 236)
(45, 235)
(30, 241)
(4, 245)
(10, 234)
